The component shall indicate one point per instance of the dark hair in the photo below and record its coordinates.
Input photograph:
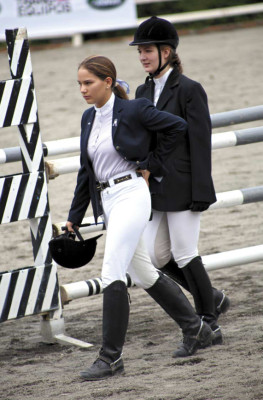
(103, 67)
(174, 59)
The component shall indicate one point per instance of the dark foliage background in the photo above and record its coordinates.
(180, 6)
(177, 6)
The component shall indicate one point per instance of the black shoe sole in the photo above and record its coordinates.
(100, 378)
(218, 338)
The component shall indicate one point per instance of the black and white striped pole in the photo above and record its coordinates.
(35, 289)
(23, 196)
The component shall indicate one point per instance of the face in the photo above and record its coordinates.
(149, 57)
(93, 89)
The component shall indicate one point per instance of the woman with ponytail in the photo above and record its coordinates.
(187, 190)
(116, 140)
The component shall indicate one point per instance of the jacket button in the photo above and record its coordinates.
(117, 147)
(137, 162)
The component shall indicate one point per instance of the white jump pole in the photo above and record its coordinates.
(61, 146)
(233, 258)
(237, 138)
(62, 166)
(224, 200)
(237, 116)
(238, 197)
(91, 287)
(89, 222)
(77, 290)
(219, 140)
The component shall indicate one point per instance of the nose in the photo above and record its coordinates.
(142, 56)
(82, 89)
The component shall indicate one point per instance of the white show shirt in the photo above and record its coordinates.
(105, 159)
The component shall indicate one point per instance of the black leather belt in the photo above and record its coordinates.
(103, 185)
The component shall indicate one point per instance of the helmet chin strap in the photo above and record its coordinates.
(160, 67)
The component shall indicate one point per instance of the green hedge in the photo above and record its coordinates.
(177, 6)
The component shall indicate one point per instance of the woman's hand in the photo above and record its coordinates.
(199, 206)
(145, 174)
(69, 226)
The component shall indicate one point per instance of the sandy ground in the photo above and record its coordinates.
(229, 65)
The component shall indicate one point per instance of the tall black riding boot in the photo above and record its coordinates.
(114, 327)
(175, 273)
(221, 301)
(202, 292)
(171, 298)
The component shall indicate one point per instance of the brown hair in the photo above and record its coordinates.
(174, 59)
(103, 67)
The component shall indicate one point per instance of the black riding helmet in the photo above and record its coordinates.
(156, 31)
(70, 253)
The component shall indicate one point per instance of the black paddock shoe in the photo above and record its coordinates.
(222, 305)
(218, 337)
(101, 369)
(190, 344)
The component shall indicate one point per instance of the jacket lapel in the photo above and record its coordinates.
(116, 114)
(88, 126)
(149, 89)
(85, 137)
(168, 92)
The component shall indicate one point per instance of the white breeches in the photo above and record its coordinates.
(127, 208)
(172, 232)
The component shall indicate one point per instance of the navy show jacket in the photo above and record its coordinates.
(134, 123)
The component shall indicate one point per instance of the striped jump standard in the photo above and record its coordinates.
(24, 196)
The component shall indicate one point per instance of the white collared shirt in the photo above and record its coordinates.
(105, 159)
(159, 85)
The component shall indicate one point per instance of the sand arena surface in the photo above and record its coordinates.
(229, 66)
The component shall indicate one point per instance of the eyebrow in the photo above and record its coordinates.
(86, 80)
(146, 46)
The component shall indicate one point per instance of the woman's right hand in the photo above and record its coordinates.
(69, 226)
(145, 174)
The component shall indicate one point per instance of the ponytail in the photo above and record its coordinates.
(120, 92)
(176, 62)
(174, 59)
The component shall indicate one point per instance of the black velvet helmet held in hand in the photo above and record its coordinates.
(156, 31)
(70, 253)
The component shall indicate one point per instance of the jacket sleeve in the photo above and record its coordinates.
(168, 127)
(81, 197)
(199, 131)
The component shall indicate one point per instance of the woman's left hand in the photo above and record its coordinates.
(199, 206)
(145, 174)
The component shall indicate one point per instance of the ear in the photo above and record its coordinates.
(166, 52)
(108, 81)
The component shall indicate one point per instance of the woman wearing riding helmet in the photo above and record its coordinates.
(179, 198)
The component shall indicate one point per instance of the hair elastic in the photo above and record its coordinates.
(124, 85)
